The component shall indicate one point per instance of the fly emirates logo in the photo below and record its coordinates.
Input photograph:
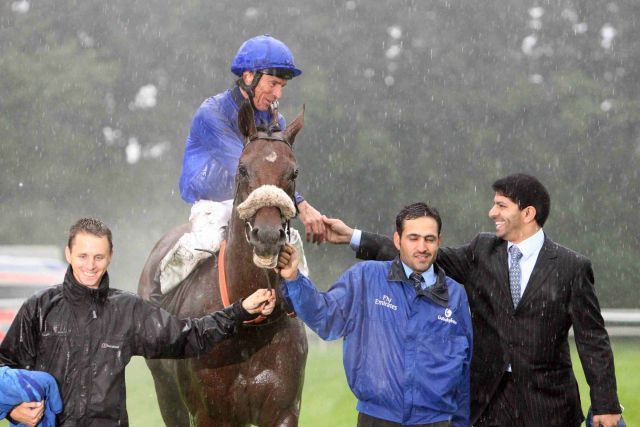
(386, 302)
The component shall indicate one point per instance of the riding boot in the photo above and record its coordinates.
(208, 220)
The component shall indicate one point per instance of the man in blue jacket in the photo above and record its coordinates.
(263, 65)
(406, 327)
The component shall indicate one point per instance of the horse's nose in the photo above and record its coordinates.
(268, 235)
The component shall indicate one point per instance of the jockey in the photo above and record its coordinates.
(212, 151)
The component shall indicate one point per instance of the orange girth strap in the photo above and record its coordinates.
(222, 282)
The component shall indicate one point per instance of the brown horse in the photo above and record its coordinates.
(255, 377)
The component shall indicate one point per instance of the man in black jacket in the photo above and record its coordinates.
(84, 333)
(525, 292)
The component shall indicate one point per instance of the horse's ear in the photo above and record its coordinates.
(294, 127)
(246, 120)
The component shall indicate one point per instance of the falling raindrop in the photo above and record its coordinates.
(133, 151)
(21, 6)
(536, 79)
(528, 44)
(536, 12)
(395, 32)
(607, 32)
(146, 97)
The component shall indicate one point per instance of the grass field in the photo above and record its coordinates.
(327, 400)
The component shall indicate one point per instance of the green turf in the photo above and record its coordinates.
(327, 400)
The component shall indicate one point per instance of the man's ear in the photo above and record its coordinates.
(529, 214)
(247, 77)
(67, 254)
(396, 240)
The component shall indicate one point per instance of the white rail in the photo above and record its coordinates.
(622, 322)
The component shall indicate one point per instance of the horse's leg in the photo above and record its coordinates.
(173, 411)
(280, 382)
(283, 418)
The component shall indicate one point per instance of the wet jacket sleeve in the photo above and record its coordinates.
(462, 417)
(376, 247)
(18, 348)
(592, 341)
(159, 334)
(206, 174)
(329, 314)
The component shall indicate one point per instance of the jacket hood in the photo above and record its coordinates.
(438, 293)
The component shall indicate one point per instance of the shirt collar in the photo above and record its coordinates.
(429, 276)
(529, 246)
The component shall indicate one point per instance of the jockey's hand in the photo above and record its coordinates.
(336, 231)
(261, 301)
(288, 262)
(606, 420)
(28, 413)
(312, 220)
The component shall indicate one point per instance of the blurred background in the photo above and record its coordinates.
(405, 101)
(411, 101)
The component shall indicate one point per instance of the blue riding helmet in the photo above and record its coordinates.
(266, 54)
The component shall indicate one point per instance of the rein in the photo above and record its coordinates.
(224, 293)
(222, 282)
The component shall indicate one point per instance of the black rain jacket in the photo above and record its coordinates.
(85, 337)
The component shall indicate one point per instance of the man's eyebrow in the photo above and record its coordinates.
(422, 235)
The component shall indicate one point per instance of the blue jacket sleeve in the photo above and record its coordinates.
(329, 314)
(462, 417)
(210, 160)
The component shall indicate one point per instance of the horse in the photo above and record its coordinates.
(255, 377)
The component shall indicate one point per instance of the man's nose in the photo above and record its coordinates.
(277, 92)
(492, 212)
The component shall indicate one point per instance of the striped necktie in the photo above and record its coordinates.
(416, 280)
(515, 274)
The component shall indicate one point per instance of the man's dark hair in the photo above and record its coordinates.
(414, 211)
(525, 190)
(90, 226)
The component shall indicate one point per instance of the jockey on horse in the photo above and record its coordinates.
(212, 150)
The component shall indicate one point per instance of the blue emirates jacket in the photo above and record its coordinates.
(19, 385)
(406, 354)
(213, 148)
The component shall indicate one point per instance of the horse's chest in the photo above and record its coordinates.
(251, 367)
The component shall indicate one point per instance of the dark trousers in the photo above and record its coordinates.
(502, 409)
(365, 420)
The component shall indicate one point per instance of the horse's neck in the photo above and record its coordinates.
(243, 277)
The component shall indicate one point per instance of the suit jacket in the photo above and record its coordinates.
(533, 336)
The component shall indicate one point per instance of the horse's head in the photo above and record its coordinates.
(265, 184)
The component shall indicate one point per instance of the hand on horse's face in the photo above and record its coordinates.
(288, 262)
(261, 301)
(313, 224)
(336, 231)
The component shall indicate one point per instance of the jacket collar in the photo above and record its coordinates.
(438, 293)
(78, 294)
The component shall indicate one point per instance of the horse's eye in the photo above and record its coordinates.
(294, 175)
(242, 172)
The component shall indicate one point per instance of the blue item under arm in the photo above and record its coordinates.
(19, 386)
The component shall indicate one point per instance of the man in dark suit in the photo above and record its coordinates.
(525, 292)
